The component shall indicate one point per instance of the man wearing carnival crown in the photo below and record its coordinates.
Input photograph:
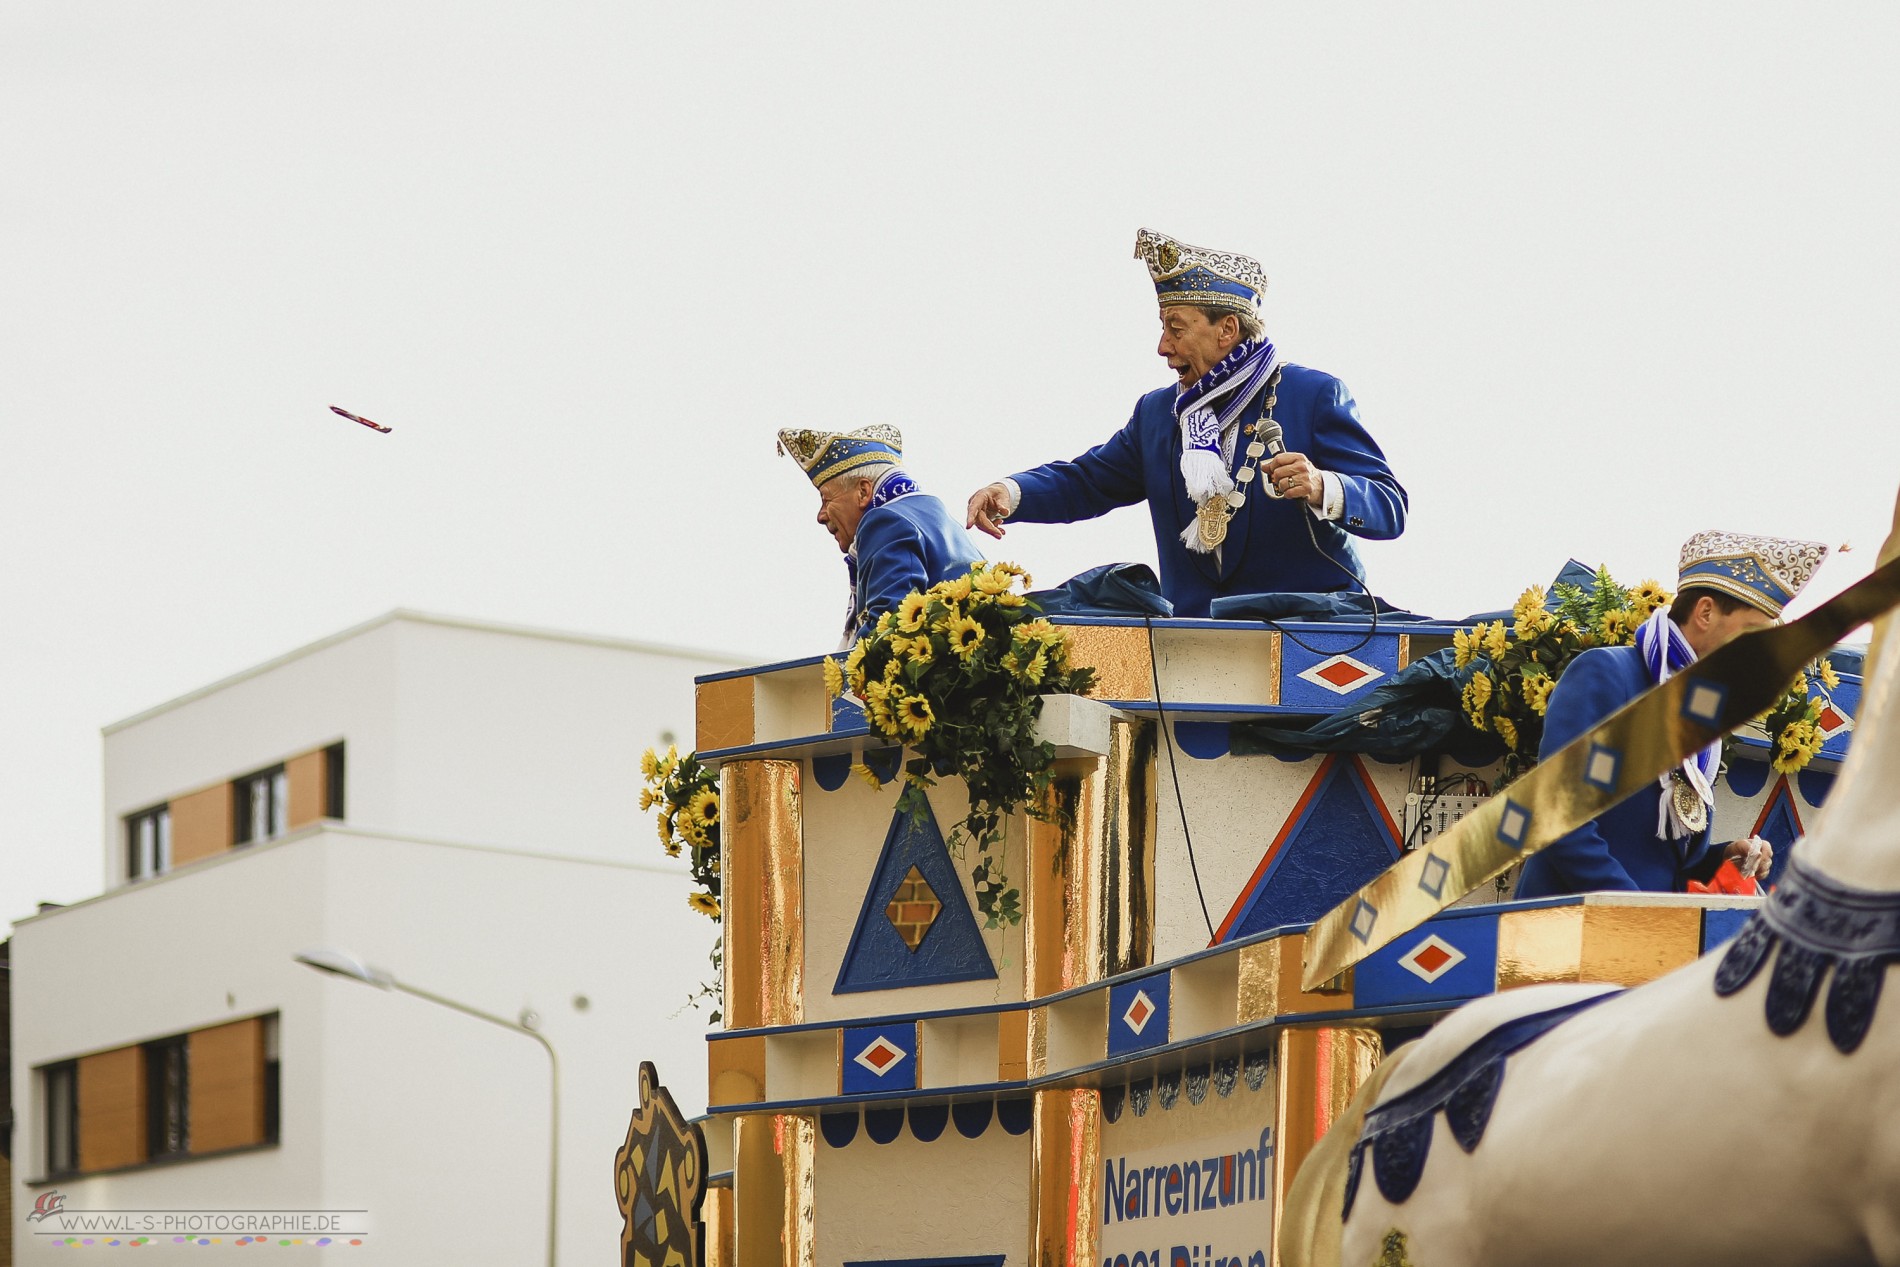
(1257, 472)
(1659, 840)
(895, 537)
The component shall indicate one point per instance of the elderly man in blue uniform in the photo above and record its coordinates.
(896, 538)
(1659, 840)
(1237, 416)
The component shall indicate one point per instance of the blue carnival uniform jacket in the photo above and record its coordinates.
(907, 544)
(1619, 849)
(1267, 549)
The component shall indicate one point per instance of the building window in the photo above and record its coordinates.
(273, 1074)
(167, 1098)
(333, 781)
(61, 1084)
(262, 805)
(148, 843)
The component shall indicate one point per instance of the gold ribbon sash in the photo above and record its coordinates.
(1637, 745)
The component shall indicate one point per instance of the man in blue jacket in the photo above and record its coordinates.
(1257, 473)
(895, 537)
(1660, 839)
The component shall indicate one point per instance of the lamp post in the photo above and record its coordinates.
(342, 964)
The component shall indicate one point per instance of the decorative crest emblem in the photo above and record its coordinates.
(660, 1178)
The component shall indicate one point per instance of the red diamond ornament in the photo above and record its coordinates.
(880, 1055)
(1431, 958)
(1832, 721)
(1343, 673)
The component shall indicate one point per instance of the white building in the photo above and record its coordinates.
(454, 802)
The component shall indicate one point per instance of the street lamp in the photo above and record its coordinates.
(342, 964)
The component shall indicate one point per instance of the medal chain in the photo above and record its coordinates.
(1215, 512)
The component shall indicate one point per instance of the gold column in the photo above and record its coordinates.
(762, 864)
(1089, 914)
(758, 1191)
(798, 1147)
(1317, 1072)
(1128, 853)
(1067, 1156)
(773, 1193)
(1089, 887)
(715, 1228)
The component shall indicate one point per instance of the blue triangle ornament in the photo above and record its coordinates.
(915, 926)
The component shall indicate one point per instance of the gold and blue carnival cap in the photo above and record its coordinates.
(1186, 274)
(1764, 572)
(825, 455)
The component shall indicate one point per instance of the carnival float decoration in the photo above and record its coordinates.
(1103, 1033)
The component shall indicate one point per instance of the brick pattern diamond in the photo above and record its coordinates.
(914, 909)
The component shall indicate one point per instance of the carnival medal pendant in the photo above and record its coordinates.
(1690, 808)
(1211, 519)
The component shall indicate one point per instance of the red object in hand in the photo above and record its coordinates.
(1727, 881)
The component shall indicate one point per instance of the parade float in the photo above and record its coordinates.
(1091, 1026)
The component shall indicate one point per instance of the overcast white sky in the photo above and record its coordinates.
(1599, 275)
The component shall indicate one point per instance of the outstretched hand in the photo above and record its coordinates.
(989, 507)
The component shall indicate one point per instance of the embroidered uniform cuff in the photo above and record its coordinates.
(1332, 497)
(1015, 492)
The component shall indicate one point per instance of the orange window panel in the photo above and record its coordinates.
(112, 1109)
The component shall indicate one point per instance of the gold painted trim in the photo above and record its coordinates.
(1012, 1045)
(1539, 947)
(1269, 975)
(735, 1070)
(723, 714)
(1628, 945)
(1652, 734)
(1405, 650)
(1275, 663)
(1617, 945)
(1119, 656)
(1036, 1041)
(763, 865)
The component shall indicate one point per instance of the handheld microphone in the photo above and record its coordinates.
(1267, 432)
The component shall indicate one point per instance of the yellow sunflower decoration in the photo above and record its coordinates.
(1511, 667)
(956, 674)
(686, 794)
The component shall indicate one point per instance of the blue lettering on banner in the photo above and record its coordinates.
(1189, 1256)
(1184, 1187)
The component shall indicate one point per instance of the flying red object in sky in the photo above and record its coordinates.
(338, 409)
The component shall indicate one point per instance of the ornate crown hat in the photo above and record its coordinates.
(825, 455)
(1186, 274)
(1764, 572)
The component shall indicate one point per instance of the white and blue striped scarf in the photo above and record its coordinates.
(1665, 653)
(1210, 405)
